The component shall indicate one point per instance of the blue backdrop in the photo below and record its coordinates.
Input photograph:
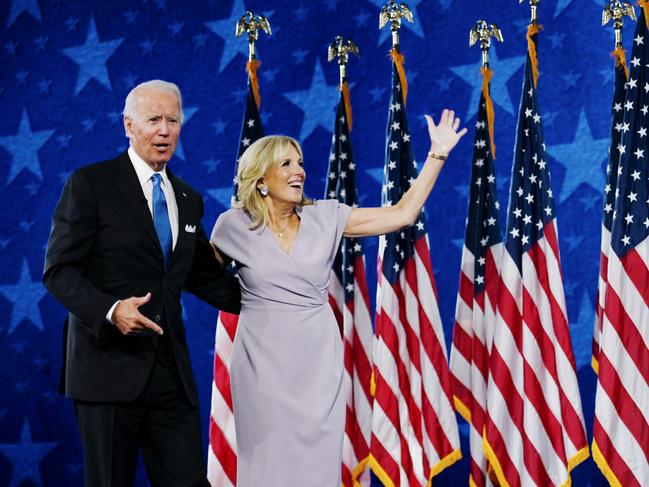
(68, 65)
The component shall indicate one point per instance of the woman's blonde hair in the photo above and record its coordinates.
(254, 164)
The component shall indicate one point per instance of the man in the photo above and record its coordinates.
(126, 238)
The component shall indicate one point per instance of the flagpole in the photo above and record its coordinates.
(616, 11)
(427, 436)
(483, 32)
(341, 48)
(528, 333)
(393, 12)
(533, 11)
(348, 292)
(620, 427)
(532, 30)
(252, 24)
(475, 317)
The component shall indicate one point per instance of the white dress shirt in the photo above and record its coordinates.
(144, 173)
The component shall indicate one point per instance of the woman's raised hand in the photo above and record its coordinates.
(445, 135)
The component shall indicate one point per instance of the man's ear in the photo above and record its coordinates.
(128, 126)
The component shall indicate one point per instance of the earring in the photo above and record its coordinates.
(263, 190)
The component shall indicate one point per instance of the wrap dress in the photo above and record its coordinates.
(286, 367)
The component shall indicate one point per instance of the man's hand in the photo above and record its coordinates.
(129, 320)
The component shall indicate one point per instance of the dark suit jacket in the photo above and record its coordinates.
(103, 247)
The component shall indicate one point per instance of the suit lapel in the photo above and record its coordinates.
(129, 186)
(183, 207)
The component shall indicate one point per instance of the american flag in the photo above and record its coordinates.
(621, 424)
(350, 301)
(222, 451)
(534, 432)
(414, 430)
(617, 129)
(476, 300)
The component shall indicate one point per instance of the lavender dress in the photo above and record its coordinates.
(287, 359)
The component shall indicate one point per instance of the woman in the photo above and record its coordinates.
(286, 367)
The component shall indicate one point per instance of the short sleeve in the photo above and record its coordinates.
(223, 234)
(335, 215)
(342, 216)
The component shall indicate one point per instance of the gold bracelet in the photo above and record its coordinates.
(435, 155)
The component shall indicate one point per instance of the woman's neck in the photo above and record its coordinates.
(280, 214)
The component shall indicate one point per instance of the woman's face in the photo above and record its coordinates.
(285, 180)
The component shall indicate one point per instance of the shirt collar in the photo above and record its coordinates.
(143, 170)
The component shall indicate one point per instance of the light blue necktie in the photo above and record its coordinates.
(161, 218)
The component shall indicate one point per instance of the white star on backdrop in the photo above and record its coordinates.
(26, 457)
(24, 147)
(25, 295)
(20, 6)
(318, 102)
(189, 113)
(582, 159)
(224, 29)
(91, 58)
(503, 69)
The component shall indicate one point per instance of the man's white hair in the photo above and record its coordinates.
(130, 105)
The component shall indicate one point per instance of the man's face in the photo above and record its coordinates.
(155, 127)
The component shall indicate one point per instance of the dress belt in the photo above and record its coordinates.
(269, 305)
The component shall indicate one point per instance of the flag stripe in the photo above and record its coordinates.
(624, 312)
(504, 416)
(222, 381)
(407, 382)
(636, 270)
(558, 364)
(609, 459)
(632, 346)
(629, 412)
(224, 454)
(531, 430)
(623, 444)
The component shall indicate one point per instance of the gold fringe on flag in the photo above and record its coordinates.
(399, 59)
(251, 68)
(487, 74)
(644, 4)
(620, 60)
(348, 105)
(532, 30)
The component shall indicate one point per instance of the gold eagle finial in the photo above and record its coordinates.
(341, 48)
(483, 32)
(393, 12)
(616, 10)
(252, 24)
